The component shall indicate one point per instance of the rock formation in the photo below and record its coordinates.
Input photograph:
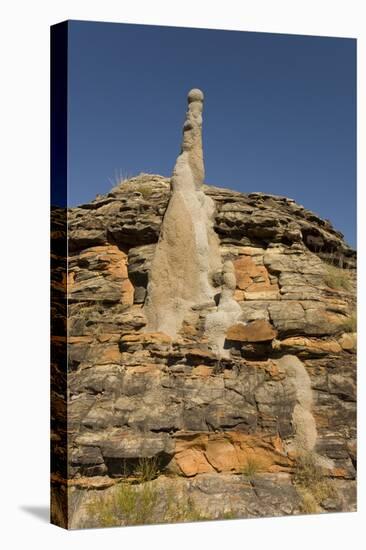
(187, 254)
(211, 337)
(226, 313)
(304, 427)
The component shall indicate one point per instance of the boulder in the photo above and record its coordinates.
(348, 341)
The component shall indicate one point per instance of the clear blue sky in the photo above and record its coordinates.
(279, 114)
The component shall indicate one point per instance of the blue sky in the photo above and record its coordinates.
(279, 114)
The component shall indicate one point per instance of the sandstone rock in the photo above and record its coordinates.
(276, 220)
(248, 250)
(254, 279)
(119, 444)
(256, 331)
(124, 217)
(309, 347)
(139, 263)
(306, 317)
(287, 317)
(84, 238)
(202, 370)
(230, 451)
(239, 295)
(100, 274)
(337, 452)
(184, 303)
(192, 462)
(253, 310)
(348, 342)
(226, 313)
(280, 260)
(206, 496)
(342, 385)
(135, 341)
(268, 294)
(247, 272)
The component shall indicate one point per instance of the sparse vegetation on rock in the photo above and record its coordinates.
(312, 483)
(350, 324)
(252, 467)
(337, 278)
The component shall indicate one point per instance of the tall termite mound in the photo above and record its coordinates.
(187, 253)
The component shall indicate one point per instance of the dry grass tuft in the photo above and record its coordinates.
(128, 505)
(145, 190)
(337, 278)
(309, 504)
(350, 324)
(252, 467)
(147, 468)
(311, 483)
(142, 505)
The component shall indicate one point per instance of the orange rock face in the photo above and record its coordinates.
(252, 277)
(229, 452)
(202, 370)
(310, 345)
(109, 354)
(147, 338)
(108, 266)
(127, 292)
(257, 331)
(192, 461)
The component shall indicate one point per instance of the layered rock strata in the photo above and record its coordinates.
(221, 363)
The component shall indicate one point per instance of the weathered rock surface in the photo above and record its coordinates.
(257, 367)
(136, 393)
(255, 331)
(206, 496)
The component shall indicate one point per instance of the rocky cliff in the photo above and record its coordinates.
(212, 353)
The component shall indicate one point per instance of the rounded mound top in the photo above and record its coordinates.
(195, 95)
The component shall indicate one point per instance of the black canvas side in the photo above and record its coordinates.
(59, 502)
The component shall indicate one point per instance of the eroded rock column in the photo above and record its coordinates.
(188, 252)
(227, 312)
(302, 418)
